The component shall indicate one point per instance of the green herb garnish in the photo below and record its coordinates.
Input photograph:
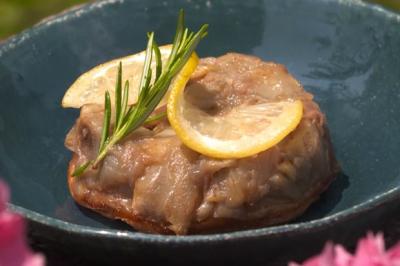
(129, 118)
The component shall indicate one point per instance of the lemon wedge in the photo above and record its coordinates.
(243, 131)
(91, 86)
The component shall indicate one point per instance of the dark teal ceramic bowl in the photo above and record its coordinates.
(346, 53)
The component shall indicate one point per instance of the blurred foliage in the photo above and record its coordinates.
(15, 15)
(393, 4)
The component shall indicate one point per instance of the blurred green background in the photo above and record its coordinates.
(16, 15)
(392, 4)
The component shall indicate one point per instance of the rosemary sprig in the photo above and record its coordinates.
(129, 118)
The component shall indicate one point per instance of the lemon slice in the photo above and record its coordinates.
(243, 131)
(90, 87)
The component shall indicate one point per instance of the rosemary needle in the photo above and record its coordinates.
(151, 90)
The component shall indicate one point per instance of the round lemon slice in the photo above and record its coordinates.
(91, 86)
(243, 131)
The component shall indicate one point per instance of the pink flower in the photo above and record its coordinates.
(13, 248)
(370, 252)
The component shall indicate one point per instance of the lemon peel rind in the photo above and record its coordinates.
(226, 153)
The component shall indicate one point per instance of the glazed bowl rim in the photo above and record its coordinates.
(300, 227)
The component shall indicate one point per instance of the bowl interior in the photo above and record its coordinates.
(345, 53)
